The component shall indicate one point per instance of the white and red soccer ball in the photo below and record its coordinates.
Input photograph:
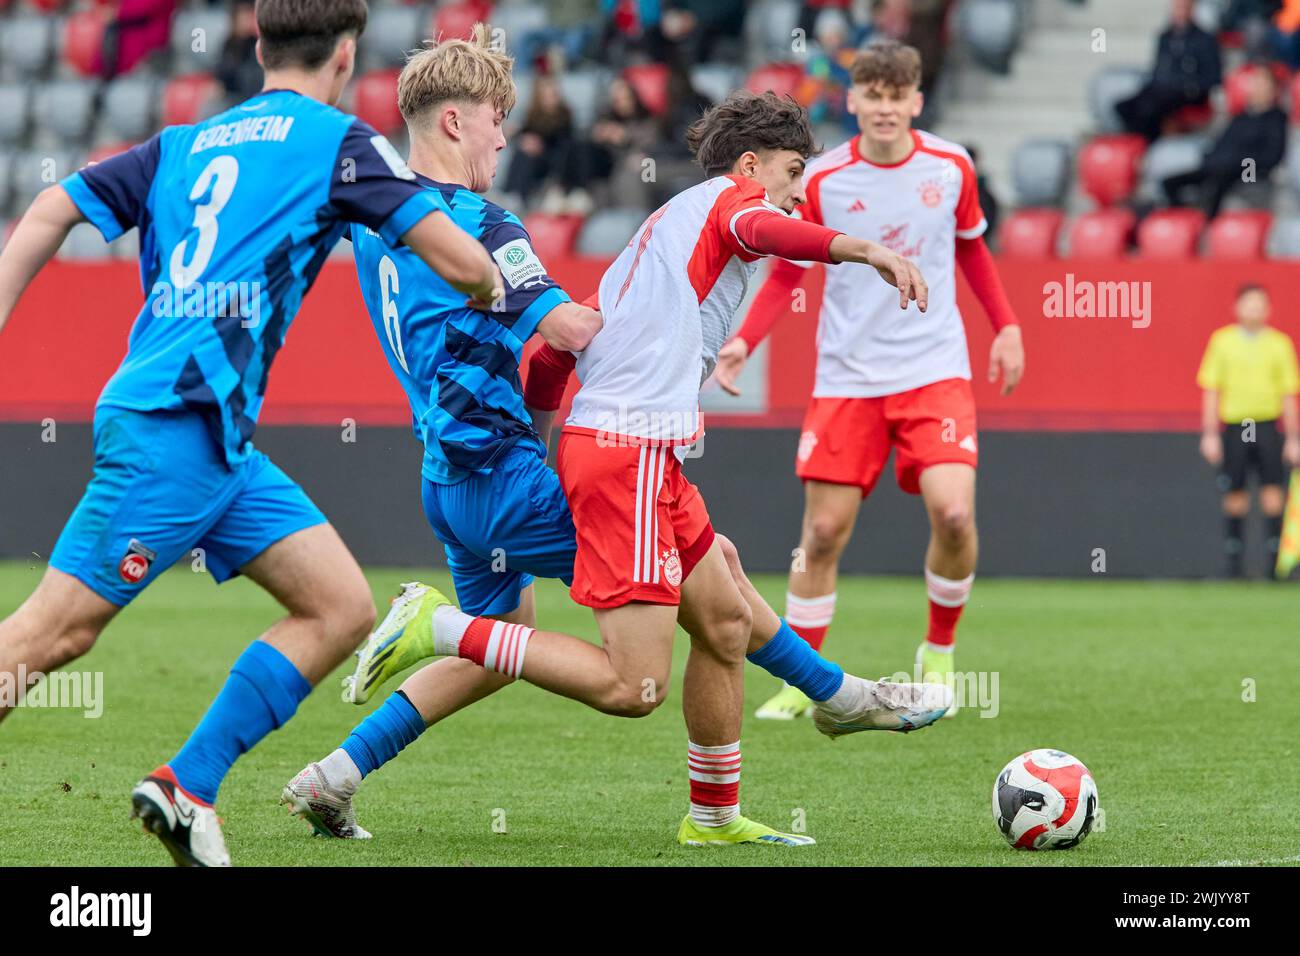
(1044, 800)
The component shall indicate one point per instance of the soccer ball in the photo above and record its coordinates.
(1044, 800)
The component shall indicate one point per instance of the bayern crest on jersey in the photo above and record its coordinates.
(1044, 800)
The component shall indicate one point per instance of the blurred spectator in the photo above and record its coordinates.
(1249, 380)
(1258, 134)
(630, 26)
(1242, 13)
(621, 139)
(824, 88)
(1285, 33)
(927, 21)
(570, 28)
(685, 106)
(133, 30)
(1187, 68)
(543, 142)
(699, 28)
(238, 70)
(812, 9)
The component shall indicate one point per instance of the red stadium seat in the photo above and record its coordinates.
(650, 80)
(185, 97)
(83, 37)
(780, 78)
(553, 235)
(455, 21)
(375, 100)
(1241, 234)
(1102, 234)
(1170, 233)
(1031, 233)
(1108, 167)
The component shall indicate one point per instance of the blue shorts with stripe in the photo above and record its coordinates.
(502, 528)
(162, 491)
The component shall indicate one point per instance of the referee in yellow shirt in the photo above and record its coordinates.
(1250, 379)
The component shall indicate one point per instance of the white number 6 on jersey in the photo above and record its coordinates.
(388, 287)
(220, 174)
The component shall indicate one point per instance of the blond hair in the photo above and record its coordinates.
(468, 71)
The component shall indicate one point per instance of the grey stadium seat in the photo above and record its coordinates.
(129, 107)
(584, 91)
(391, 33)
(1169, 156)
(1284, 240)
(15, 107)
(1108, 86)
(67, 108)
(769, 30)
(213, 26)
(1040, 172)
(34, 169)
(26, 44)
(609, 230)
(84, 242)
(716, 80)
(991, 29)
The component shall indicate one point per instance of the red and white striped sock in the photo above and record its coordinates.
(947, 599)
(715, 783)
(494, 645)
(810, 618)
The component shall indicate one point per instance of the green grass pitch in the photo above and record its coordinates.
(1142, 681)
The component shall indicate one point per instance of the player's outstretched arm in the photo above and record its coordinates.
(544, 385)
(897, 271)
(34, 243)
(456, 256)
(570, 326)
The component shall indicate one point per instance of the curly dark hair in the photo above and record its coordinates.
(747, 121)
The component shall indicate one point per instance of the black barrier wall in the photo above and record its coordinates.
(1047, 501)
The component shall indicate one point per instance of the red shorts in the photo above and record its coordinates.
(642, 527)
(846, 441)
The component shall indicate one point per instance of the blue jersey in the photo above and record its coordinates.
(459, 366)
(236, 215)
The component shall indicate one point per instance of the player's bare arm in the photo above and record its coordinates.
(1007, 358)
(1211, 439)
(1291, 428)
(570, 326)
(452, 253)
(34, 243)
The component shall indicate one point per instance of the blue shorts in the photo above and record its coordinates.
(501, 529)
(161, 490)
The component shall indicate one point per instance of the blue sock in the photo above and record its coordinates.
(791, 658)
(261, 693)
(381, 736)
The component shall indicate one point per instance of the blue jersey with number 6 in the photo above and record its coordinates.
(459, 366)
(236, 215)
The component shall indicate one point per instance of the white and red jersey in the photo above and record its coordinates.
(866, 345)
(668, 302)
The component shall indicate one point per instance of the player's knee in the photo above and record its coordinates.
(74, 640)
(824, 537)
(634, 699)
(348, 616)
(955, 522)
(726, 636)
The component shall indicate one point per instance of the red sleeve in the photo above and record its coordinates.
(548, 376)
(771, 302)
(982, 273)
(767, 233)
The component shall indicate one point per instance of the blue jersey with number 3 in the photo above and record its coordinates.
(236, 215)
(459, 366)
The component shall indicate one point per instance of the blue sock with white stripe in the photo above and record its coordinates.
(381, 736)
(791, 658)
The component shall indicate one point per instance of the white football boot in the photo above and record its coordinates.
(190, 831)
(328, 808)
(881, 705)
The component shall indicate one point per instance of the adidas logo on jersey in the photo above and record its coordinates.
(858, 206)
